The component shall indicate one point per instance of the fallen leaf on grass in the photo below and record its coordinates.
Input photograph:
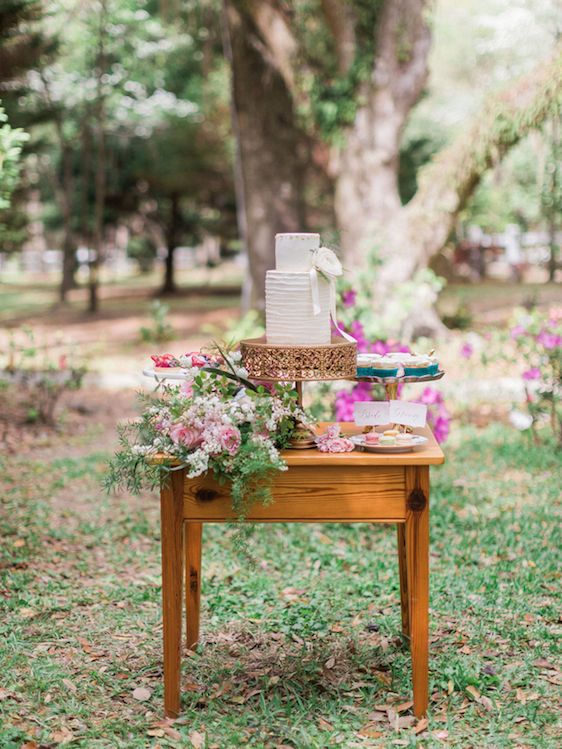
(403, 706)
(30, 745)
(330, 663)
(421, 726)
(197, 739)
(62, 736)
(5, 694)
(156, 732)
(370, 732)
(486, 703)
(543, 663)
(69, 685)
(324, 725)
(165, 726)
(18, 543)
(441, 735)
(473, 692)
(141, 694)
(27, 613)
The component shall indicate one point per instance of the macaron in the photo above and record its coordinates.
(372, 438)
(388, 441)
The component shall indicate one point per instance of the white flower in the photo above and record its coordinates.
(185, 362)
(326, 261)
(520, 420)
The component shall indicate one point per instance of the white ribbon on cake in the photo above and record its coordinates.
(325, 261)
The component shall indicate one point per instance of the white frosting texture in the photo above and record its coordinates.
(289, 314)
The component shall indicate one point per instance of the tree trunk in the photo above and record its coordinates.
(169, 285)
(271, 153)
(64, 189)
(100, 178)
(552, 260)
(367, 195)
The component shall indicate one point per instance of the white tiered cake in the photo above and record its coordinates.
(290, 314)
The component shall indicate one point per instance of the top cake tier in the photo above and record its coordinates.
(293, 252)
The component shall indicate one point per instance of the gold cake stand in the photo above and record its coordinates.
(270, 362)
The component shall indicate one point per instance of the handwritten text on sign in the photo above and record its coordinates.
(373, 413)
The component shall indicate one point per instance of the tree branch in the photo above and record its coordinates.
(447, 182)
(340, 18)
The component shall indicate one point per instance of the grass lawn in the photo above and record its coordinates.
(300, 651)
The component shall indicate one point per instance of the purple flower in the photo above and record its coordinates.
(349, 297)
(517, 331)
(466, 350)
(430, 397)
(441, 428)
(533, 373)
(380, 347)
(549, 340)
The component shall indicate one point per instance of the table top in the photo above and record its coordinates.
(428, 455)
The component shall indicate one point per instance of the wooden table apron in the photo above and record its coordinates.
(347, 488)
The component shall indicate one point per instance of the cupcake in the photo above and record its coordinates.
(385, 366)
(417, 366)
(365, 365)
(433, 364)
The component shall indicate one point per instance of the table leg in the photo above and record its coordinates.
(403, 575)
(417, 564)
(171, 509)
(192, 541)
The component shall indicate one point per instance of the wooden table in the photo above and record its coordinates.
(355, 487)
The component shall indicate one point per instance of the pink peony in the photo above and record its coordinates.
(533, 373)
(189, 437)
(230, 439)
(336, 445)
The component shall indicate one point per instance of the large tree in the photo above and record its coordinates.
(353, 72)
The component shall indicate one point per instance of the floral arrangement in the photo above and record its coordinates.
(216, 420)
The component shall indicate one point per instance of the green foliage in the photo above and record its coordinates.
(11, 143)
(142, 250)
(160, 330)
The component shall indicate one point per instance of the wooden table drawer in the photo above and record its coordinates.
(310, 493)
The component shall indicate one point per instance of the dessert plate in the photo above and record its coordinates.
(359, 441)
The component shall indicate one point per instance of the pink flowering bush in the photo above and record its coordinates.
(217, 421)
(537, 339)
